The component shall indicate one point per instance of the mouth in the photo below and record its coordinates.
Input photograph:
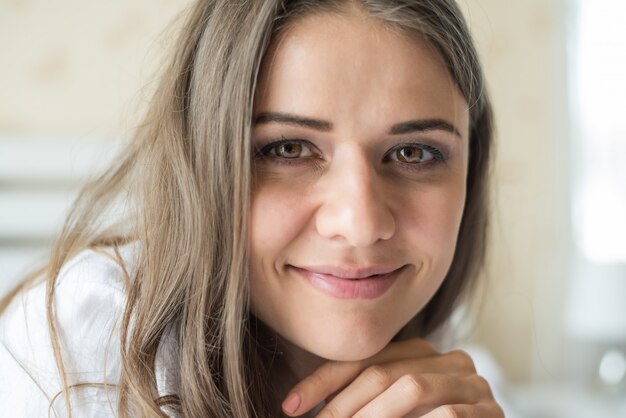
(350, 283)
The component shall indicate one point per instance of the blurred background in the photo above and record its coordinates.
(550, 326)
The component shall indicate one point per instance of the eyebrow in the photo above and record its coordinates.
(289, 119)
(418, 125)
(423, 126)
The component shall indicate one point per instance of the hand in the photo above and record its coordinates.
(405, 379)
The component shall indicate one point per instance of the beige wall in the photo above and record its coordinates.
(522, 46)
(78, 67)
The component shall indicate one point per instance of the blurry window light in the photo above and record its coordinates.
(613, 367)
(599, 159)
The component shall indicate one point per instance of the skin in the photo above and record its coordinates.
(350, 193)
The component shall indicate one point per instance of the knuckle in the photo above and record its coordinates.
(415, 387)
(481, 383)
(380, 376)
(463, 360)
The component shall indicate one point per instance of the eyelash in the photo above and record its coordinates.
(438, 156)
(264, 153)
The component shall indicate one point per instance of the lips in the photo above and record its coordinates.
(350, 283)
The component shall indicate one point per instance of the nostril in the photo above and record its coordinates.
(358, 224)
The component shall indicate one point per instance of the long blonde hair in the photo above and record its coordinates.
(185, 180)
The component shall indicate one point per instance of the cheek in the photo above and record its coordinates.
(430, 220)
(441, 215)
(277, 216)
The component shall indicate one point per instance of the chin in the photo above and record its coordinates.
(348, 346)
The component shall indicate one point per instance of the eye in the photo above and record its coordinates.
(288, 149)
(414, 154)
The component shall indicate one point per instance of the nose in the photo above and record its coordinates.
(354, 208)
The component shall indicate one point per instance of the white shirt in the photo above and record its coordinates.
(89, 301)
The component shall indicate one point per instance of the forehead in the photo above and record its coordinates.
(356, 70)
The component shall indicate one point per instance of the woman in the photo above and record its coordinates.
(304, 203)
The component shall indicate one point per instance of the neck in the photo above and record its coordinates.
(298, 361)
(292, 364)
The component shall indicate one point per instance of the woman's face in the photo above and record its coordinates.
(361, 149)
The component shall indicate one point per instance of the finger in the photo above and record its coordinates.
(413, 356)
(319, 385)
(461, 360)
(424, 392)
(333, 376)
(486, 410)
(454, 363)
(376, 379)
(400, 350)
(369, 384)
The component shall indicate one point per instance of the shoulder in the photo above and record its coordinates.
(89, 299)
(89, 296)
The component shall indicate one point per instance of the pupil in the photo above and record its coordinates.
(290, 150)
(410, 154)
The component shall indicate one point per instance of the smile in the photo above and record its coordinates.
(369, 283)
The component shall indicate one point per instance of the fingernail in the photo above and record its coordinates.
(292, 403)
